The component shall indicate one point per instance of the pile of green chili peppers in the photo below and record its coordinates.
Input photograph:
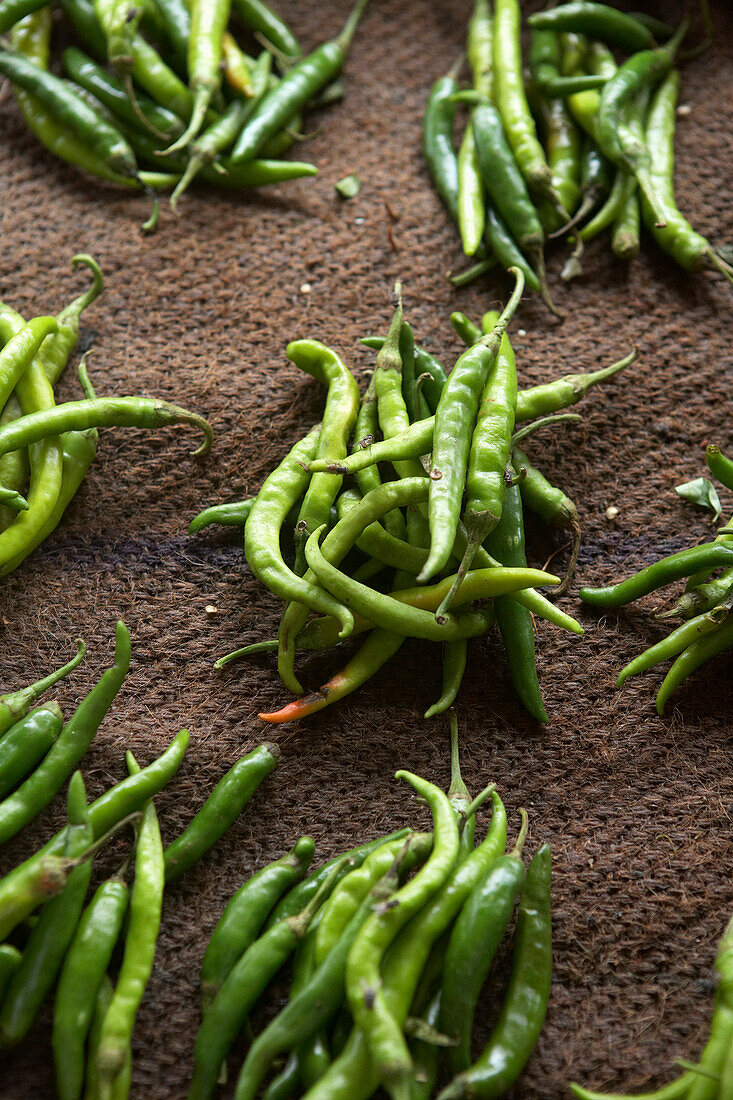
(452, 514)
(705, 606)
(607, 145)
(159, 91)
(712, 1077)
(48, 937)
(387, 967)
(46, 449)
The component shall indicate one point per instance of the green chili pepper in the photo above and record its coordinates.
(618, 141)
(14, 468)
(563, 142)
(38, 790)
(584, 105)
(304, 80)
(137, 412)
(110, 91)
(46, 947)
(26, 743)
(9, 961)
(440, 156)
(13, 707)
(511, 100)
(279, 492)
(242, 987)
(696, 654)
(504, 247)
(119, 20)
(454, 417)
(222, 807)
(473, 943)
(246, 912)
(261, 19)
(597, 21)
(353, 1076)
(545, 61)
(209, 20)
(20, 349)
(146, 903)
(675, 236)
(671, 646)
(229, 515)
(317, 1002)
(55, 351)
(506, 542)
(523, 1011)
(80, 980)
(720, 465)
(454, 665)
(625, 242)
(364, 989)
(342, 403)
(490, 450)
(668, 569)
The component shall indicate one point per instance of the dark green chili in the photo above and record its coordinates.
(26, 743)
(304, 80)
(614, 27)
(673, 567)
(523, 1011)
(696, 654)
(222, 807)
(438, 148)
(261, 19)
(246, 912)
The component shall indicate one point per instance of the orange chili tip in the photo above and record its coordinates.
(300, 708)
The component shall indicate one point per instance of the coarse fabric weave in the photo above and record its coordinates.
(637, 809)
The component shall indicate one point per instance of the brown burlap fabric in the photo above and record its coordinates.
(638, 810)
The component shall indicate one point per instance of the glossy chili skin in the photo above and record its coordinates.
(473, 943)
(665, 571)
(339, 417)
(506, 543)
(506, 250)
(352, 1076)
(455, 655)
(222, 807)
(511, 99)
(704, 649)
(438, 148)
(263, 20)
(209, 20)
(611, 26)
(26, 743)
(425, 363)
(310, 1009)
(101, 138)
(83, 971)
(671, 646)
(244, 984)
(303, 81)
(50, 937)
(146, 905)
(720, 465)
(364, 988)
(524, 1008)
(247, 911)
(20, 349)
(280, 491)
(38, 790)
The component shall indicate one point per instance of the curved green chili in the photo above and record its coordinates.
(26, 743)
(454, 666)
(261, 19)
(671, 646)
(696, 654)
(600, 21)
(665, 571)
(14, 706)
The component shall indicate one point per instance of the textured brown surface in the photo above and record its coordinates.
(637, 809)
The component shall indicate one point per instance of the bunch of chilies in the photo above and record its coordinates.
(462, 481)
(45, 448)
(608, 139)
(705, 605)
(47, 935)
(155, 119)
(387, 969)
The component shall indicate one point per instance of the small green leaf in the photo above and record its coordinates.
(701, 492)
(349, 187)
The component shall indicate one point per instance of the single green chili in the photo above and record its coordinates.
(222, 807)
(228, 515)
(614, 27)
(473, 943)
(80, 980)
(440, 156)
(26, 743)
(146, 903)
(454, 665)
(665, 571)
(454, 418)
(720, 465)
(304, 80)
(261, 19)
